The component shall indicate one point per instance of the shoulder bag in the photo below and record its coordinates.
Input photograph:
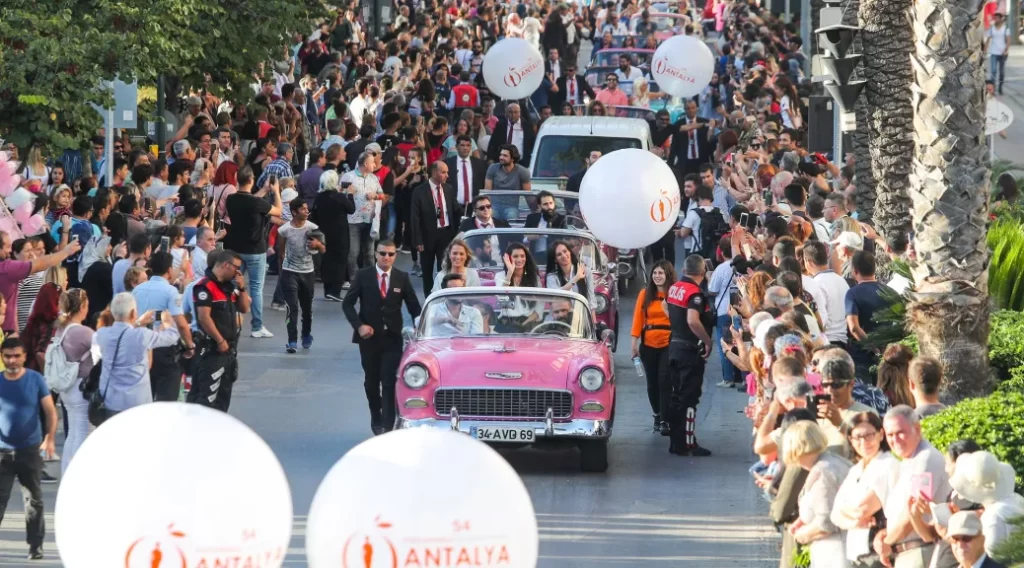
(98, 411)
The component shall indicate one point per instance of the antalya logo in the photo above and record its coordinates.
(663, 67)
(376, 549)
(515, 76)
(165, 552)
(171, 550)
(662, 207)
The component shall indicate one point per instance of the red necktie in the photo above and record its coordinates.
(511, 127)
(465, 182)
(693, 145)
(441, 217)
(572, 90)
(384, 285)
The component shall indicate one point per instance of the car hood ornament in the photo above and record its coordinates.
(504, 376)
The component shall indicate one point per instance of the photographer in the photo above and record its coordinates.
(219, 298)
(160, 296)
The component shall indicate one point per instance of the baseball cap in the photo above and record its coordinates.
(849, 239)
(964, 523)
(373, 147)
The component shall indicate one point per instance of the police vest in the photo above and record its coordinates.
(678, 299)
(466, 96)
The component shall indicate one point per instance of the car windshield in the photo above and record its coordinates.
(488, 247)
(564, 155)
(514, 207)
(609, 58)
(481, 313)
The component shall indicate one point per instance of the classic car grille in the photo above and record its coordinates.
(503, 403)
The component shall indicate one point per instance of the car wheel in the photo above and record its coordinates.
(594, 456)
(615, 346)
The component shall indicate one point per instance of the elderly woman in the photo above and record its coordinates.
(125, 348)
(981, 478)
(804, 445)
(330, 212)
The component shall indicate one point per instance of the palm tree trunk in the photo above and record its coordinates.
(865, 179)
(949, 188)
(887, 42)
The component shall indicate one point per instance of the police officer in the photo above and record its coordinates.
(690, 318)
(159, 295)
(219, 298)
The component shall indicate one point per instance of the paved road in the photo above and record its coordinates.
(1012, 147)
(649, 509)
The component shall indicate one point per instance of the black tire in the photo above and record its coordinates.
(594, 456)
(618, 322)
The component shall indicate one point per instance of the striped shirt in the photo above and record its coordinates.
(28, 289)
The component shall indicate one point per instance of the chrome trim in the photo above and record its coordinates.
(515, 399)
(549, 422)
(592, 402)
(504, 376)
(416, 399)
(583, 429)
(453, 422)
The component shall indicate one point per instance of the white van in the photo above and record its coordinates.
(564, 142)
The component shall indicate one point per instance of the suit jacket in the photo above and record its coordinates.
(423, 213)
(469, 224)
(533, 221)
(574, 181)
(477, 180)
(500, 136)
(384, 315)
(583, 88)
(989, 563)
(681, 141)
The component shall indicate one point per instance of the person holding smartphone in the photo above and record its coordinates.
(720, 287)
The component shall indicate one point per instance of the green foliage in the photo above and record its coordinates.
(801, 556)
(996, 422)
(1005, 345)
(892, 326)
(1006, 271)
(56, 56)
(1011, 551)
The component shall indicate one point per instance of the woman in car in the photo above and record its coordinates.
(566, 271)
(520, 272)
(596, 108)
(456, 261)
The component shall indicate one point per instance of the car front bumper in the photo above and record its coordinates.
(542, 429)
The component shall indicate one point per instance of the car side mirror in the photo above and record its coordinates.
(408, 333)
(608, 337)
(613, 268)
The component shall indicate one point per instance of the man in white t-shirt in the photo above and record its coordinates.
(532, 29)
(834, 287)
(998, 39)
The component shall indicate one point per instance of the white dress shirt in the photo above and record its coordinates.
(572, 90)
(387, 278)
(436, 192)
(517, 136)
(556, 69)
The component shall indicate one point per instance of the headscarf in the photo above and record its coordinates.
(329, 181)
(41, 322)
(95, 251)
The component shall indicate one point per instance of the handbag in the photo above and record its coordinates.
(98, 411)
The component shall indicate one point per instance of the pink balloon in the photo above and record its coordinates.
(23, 213)
(8, 184)
(34, 225)
(10, 227)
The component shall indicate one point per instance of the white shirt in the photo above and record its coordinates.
(834, 287)
(812, 288)
(997, 39)
(387, 278)
(199, 257)
(787, 120)
(469, 322)
(531, 31)
(572, 90)
(556, 69)
(517, 136)
(435, 191)
(357, 107)
(464, 195)
(634, 74)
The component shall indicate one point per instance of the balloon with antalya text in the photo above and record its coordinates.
(23, 213)
(513, 69)
(203, 490)
(35, 225)
(629, 198)
(682, 66)
(19, 197)
(450, 501)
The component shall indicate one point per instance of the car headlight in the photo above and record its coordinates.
(600, 303)
(415, 376)
(591, 379)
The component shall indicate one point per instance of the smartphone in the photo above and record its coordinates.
(745, 220)
(156, 319)
(737, 323)
(272, 179)
(74, 238)
(819, 398)
(767, 195)
(220, 246)
(750, 182)
(748, 252)
(941, 513)
(734, 300)
(165, 244)
(921, 484)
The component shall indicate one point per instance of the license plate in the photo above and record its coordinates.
(489, 434)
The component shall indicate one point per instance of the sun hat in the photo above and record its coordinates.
(849, 239)
(980, 477)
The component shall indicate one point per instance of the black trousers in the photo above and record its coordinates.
(298, 294)
(433, 255)
(165, 375)
(334, 265)
(380, 357)
(25, 465)
(664, 248)
(215, 376)
(656, 370)
(687, 376)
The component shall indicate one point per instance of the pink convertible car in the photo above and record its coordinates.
(511, 367)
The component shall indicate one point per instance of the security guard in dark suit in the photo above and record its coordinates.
(691, 318)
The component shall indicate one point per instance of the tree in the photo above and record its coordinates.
(56, 55)
(887, 44)
(948, 190)
(864, 195)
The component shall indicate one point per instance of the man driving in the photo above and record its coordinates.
(453, 316)
(561, 311)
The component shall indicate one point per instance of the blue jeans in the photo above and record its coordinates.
(997, 69)
(256, 271)
(392, 221)
(728, 371)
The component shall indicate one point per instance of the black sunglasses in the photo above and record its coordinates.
(385, 253)
(483, 207)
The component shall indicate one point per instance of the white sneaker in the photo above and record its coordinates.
(262, 333)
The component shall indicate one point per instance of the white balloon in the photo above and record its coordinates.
(682, 66)
(421, 497)
(173, 484)
(629, 198)
(513, 69)
(18, 198)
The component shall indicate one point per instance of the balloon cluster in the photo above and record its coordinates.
(205, 490)
(16, 218)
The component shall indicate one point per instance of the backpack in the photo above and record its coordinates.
(59, 372)
(712, 228)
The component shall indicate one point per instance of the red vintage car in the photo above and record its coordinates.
(511, 367)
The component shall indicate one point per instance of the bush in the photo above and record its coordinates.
(1006, 270)
(1005, 348)
(995, 422)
